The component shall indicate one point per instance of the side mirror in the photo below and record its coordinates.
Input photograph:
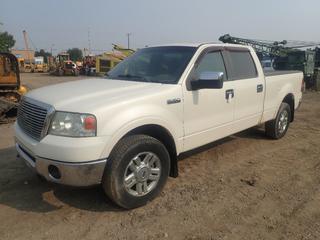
(208, 80)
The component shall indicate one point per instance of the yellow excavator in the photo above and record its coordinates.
(11, 89)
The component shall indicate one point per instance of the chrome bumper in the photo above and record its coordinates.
(72, 174)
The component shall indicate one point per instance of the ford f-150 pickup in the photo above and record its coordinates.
(125, 131)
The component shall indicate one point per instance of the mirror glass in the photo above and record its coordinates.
(211, 76)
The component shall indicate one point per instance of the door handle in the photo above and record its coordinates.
(259, 88)
(229, 94)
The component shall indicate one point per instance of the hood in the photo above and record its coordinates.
(86, 95)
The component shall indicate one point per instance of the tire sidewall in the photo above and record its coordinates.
(283, 107)
(119, 166)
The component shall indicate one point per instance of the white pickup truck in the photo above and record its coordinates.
(125, 131)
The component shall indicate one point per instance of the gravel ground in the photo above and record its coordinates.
(242, 187)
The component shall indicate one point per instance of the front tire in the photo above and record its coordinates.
(136, 171)
(278, 127)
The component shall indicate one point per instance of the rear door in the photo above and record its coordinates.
(249, 87)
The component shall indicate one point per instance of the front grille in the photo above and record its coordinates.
(32, 118)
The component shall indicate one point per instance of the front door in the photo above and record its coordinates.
(208, 113)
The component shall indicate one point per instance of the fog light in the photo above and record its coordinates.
(54, 172)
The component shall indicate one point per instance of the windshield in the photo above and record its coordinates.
(154, 64)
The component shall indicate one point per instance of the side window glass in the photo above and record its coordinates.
(211, 62)
(243, 65)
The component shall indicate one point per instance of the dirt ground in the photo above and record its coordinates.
(242, 187)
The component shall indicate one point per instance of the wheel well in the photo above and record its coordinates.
(290, 100)
(164, 136)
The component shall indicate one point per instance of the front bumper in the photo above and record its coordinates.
(66, 173)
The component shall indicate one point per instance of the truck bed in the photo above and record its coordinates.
(278, 85)
(275, 73)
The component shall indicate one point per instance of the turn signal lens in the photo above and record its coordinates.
(90, 123)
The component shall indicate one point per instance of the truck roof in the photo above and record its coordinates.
(200, 44)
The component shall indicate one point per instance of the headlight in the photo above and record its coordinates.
(73, 125)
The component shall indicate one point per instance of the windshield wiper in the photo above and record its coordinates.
(129, 76)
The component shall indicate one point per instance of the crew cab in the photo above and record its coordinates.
(126, 130)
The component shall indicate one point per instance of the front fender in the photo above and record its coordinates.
(126, 121)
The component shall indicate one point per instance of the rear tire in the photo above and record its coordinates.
(278, 127)
(136, 171)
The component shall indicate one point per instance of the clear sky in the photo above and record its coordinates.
(65, 23)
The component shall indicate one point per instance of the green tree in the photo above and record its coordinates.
(75, 54)
(42, 53)
(6, 41)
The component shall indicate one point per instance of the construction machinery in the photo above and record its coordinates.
(20, 61)
(302, 60)
(63, 66)
(317, 69)
(125, 51)
(10, 88)
(21, 64)
(29, 63)
(88, 66)
(40, 65)
(106, 61)
(25, 57)
(284, 57)
(51, 64)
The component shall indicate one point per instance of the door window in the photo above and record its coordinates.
(211, 62)
(242, 65)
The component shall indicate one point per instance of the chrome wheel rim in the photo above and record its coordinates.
(142, 174)
(283, 121)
